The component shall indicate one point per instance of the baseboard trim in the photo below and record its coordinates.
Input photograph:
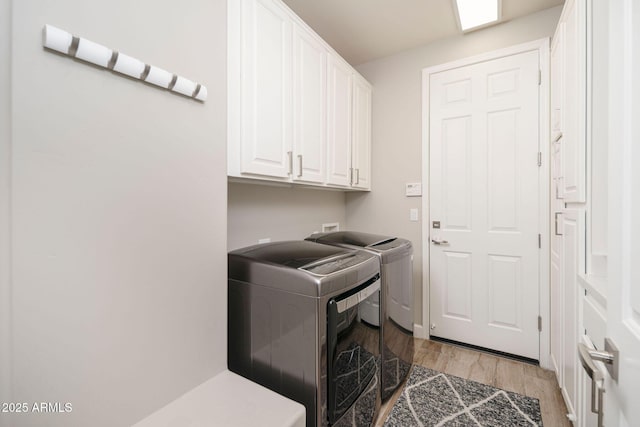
(420, 332)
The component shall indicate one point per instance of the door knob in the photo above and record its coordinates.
(610, 357)
(439, 242)
(597, 389)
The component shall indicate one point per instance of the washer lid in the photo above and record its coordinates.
(353, 238)
(303, 267)
(294, 254)
(389, 249)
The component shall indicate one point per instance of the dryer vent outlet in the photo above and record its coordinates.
(331, 226)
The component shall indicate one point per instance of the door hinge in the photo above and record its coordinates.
(539, 158)
(539, 77)
(539, 241)
(539, 323)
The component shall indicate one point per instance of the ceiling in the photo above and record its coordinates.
(363, 30)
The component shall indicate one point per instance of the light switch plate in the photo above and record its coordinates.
(413, 214)
(413, 189)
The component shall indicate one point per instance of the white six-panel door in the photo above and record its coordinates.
(483, 179)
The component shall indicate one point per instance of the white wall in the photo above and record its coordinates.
(5, 171)
(281, 213)
(397, 127)
(118, 212)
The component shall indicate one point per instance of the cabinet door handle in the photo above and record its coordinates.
(557, 137)
(439, 242)
(350, 176)
(558, 188)
(300, 165)
(556, 223)
(357, 176)
(290, 154)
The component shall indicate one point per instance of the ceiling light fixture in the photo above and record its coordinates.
(475, 14)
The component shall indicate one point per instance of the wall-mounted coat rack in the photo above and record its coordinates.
(86, 50)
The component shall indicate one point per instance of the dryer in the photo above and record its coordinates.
(395, 306)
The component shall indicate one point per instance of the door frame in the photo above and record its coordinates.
(542, 47)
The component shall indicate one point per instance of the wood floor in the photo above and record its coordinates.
(496, 371)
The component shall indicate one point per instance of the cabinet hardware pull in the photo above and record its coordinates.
(558, 188)
(300, 164)
(290, 154)
(357, 176)
(556, 224)
(439, 242)
(558, 136)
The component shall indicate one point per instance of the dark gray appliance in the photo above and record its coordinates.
(295, 312)
(395, 255)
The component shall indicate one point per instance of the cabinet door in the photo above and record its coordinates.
(265, 89)
(309, 106)
(361, 143)
(339, 110)
(557, 301)
(571, 226)
(557, 124)
(557, 78)
(573, 144)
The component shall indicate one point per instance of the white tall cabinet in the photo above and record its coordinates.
(298, 113)
(578, 197)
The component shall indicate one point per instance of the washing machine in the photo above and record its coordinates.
(296, 325)
(395, 305)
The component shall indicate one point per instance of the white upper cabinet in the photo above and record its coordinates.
(572, 86)
(294, 113)
(339, 117)
(557, 77)
(266, 131)
(361, 148)
(309, 106)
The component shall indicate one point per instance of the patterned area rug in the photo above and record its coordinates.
(431, 398)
